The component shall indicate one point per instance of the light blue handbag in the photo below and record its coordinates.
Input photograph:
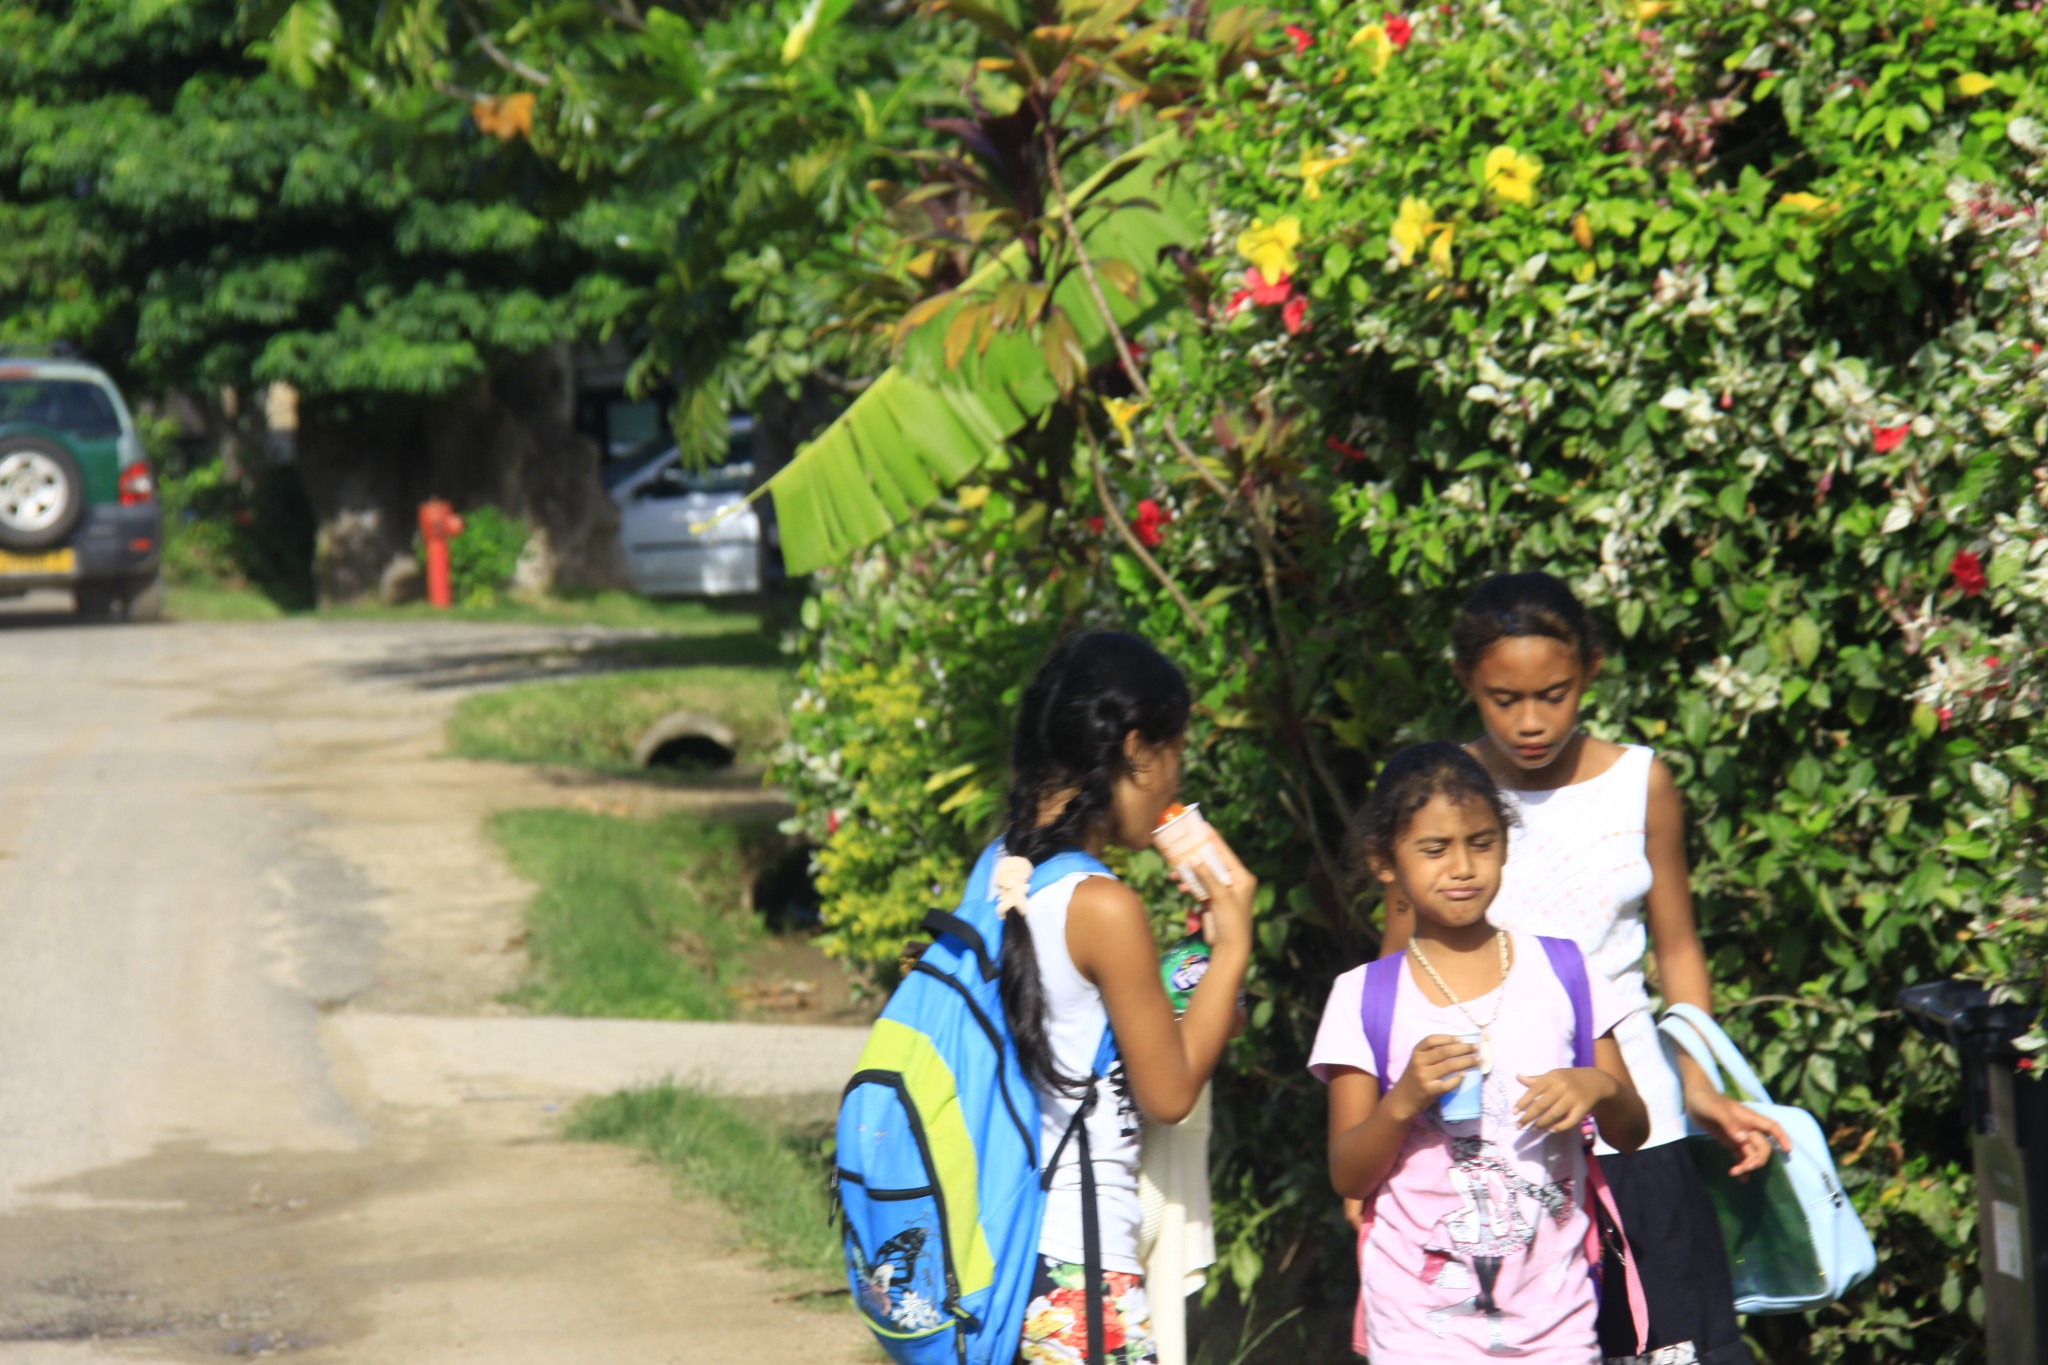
(1794, 1240)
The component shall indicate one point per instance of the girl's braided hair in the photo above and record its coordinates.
(1094, 690)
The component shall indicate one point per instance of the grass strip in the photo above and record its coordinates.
(637, 919)
(764, 1164)
(594, 722)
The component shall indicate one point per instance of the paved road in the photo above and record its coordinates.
(192, 1053)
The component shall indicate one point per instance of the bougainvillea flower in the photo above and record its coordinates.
(1968, 572)
(1412, 226)
(1122, 412)
(1806, 205)
(1267, 293)
(1313, 169)
(1374, 46)
(1884, 440)
(1303, 39)
(1399, 31)
(1295, 315)
(1972, 84)
(1510, 176)
(1148, 523)
(1271, 249)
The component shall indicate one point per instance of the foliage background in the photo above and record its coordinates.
(1755, 363)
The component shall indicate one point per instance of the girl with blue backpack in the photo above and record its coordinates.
(1599, 858)
(1460, 1073)
(988, 1142)
(1095, 761)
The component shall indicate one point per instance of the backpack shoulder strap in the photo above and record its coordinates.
(1376, 1009)
(1570, 966)
(1066, 864)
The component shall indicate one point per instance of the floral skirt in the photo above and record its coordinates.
(1056, 1323)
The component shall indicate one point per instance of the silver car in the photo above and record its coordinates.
(661, 503)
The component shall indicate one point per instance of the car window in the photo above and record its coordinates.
(674, 481)
(72, 406)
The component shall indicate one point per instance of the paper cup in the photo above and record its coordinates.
(1186, 840)
(1462, 1105)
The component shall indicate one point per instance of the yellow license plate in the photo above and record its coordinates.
(46, 562)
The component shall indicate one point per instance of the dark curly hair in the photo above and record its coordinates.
(1513, 604)
(1411, 779)
(1091, 692)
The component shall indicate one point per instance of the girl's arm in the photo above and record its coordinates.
(1682, 976)
(1558, 1100)
(1110, 941)
(1368, 1128)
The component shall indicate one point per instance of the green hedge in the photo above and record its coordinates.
(1730, 313)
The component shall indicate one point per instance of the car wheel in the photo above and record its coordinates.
(42, 493)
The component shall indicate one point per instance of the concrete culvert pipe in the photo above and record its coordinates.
(688, 741)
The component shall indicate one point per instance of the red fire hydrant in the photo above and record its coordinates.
(438, 525)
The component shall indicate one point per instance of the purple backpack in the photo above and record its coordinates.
(1376, 1013)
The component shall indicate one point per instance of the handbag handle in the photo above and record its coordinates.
(1721, 1050)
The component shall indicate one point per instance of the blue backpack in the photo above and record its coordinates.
(940, 1190)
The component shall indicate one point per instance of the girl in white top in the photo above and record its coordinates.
(1096, 760)
(1600, 858)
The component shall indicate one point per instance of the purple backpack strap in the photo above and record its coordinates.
(1570, 966)
(1376, 1010)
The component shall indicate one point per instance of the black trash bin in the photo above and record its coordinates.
(2008, 1116)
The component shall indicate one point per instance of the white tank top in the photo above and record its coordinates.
(1074, 1020)
(1577, 868)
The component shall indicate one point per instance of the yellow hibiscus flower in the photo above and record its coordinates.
(1806, 205)
(1122, 412)
(1440, 248)
(1412, 227)
(1313, 169)
(1511, 175)
(1378, 48)
(1271, 249)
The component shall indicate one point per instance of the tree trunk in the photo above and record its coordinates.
(506, 442)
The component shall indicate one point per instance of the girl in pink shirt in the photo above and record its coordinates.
(1477, 1225)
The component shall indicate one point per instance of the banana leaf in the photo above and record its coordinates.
(925, 424)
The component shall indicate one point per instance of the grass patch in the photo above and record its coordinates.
(638, 919)
(212, 602)
(765, 1162)
(594, 722)
(617, 610)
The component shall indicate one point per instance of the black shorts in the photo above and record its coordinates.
(1677, 1244)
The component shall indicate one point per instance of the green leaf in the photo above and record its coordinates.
(1805, 640)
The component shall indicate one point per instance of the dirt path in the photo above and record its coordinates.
(256, 1094)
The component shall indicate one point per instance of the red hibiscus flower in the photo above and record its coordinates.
(1968, 572)
(1151, 517)
(1303, 39)
(1295, 314)
(1399, 30)
(1887, 439)
(1266, 295)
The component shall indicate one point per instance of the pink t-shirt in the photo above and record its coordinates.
(1471, 1198)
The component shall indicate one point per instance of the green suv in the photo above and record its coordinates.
(78, 505)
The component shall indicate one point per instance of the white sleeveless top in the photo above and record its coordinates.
(1577, 868)
(1074, 1020)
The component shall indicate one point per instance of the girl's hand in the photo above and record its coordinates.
(1746, 1134)
(1354, 1212)
(1558, 1101)
(1227, 916)
(1439, 1063)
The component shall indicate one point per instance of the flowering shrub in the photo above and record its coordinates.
(1729, 313)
